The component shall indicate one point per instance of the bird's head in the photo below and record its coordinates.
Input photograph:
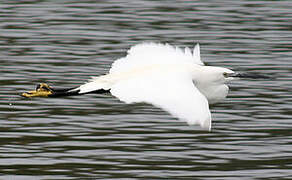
(218, 74)
(223, 75)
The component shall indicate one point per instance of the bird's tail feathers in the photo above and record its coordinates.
(95, 84)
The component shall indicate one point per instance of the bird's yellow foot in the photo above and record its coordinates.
(42, 90)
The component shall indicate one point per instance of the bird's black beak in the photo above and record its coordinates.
(249, 76)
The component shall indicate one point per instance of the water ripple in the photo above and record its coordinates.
(96, 136)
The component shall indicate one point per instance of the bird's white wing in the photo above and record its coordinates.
(171, 92)
(146, 54)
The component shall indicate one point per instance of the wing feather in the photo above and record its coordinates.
(175, 94)
(197, 54)
(146, 54)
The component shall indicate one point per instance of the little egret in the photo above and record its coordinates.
(165, 76)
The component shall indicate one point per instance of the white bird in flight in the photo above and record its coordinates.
(171, 78)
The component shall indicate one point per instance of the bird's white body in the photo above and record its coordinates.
(167, 77)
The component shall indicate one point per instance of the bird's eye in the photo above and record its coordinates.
(225, 74)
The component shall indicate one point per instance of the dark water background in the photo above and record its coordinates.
(65, 42)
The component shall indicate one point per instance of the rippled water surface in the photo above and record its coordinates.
(65, 42)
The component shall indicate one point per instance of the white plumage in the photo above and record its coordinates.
(168, 77)
(146, 54)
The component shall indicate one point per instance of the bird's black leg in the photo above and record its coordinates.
(44, 90)
(64, 92)
(72, 92)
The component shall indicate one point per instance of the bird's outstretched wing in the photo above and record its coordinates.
(171, 92)
(146, 54)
